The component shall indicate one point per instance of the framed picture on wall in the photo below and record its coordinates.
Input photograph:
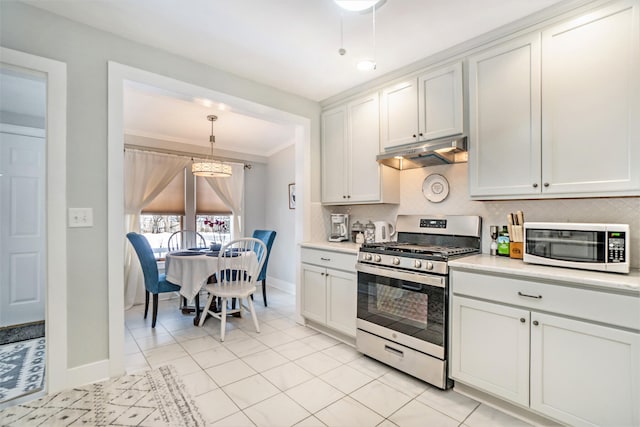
(292, 196)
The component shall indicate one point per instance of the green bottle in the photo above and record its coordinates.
(503, 242)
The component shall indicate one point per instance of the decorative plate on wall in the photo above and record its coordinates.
(435, 188)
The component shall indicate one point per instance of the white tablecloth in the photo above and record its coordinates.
(191, 272)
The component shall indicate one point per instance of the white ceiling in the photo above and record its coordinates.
(291, 45)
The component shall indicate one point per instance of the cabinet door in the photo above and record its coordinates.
(504, 119)
(440, 106)
(590, 102)
(334, 153)
(584, 374)
(399, 114)
(363, 172)
(314, 293)
(490, 348)
(341, 301)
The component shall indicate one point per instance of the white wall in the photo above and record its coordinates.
(278, 217)
(86, 52)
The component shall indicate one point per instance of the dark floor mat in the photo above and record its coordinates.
(28, 331)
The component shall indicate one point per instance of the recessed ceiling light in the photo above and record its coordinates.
(359, 5)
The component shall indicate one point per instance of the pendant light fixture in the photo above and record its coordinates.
(214, 168)
(369, 64)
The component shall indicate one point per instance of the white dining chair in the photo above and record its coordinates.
(239, 265)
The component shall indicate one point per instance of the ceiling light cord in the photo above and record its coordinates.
(342, 50)
(374, 36)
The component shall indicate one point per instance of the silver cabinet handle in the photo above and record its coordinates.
(325, 259)
(530, 296)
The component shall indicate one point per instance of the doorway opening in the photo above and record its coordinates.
(22, 232)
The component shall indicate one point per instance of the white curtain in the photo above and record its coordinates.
(231, 191)
(146, 174)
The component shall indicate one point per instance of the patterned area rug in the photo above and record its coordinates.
(21, 368)
(148, 398)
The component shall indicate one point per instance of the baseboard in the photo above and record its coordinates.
(85, 374)
(501, 405)
(281, 285)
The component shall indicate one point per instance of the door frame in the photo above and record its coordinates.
(56, 207)
(119, 75)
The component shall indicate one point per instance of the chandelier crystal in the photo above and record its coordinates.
(214, 168)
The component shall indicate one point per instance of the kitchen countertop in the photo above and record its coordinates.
(515, 267)
(345, 247)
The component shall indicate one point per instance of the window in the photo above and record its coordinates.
(167, 214)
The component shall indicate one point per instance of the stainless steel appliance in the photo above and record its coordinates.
(339, 228)
(403, 293)
(599, 247)
(429, 153)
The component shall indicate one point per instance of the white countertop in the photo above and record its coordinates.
(346, 247)
(516, 267)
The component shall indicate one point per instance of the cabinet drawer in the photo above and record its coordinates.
(329, 259)
(597, 306)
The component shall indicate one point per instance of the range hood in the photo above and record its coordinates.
(429, 153)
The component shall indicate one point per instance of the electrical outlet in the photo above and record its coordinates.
(80, 217)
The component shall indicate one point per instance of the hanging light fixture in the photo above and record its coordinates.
(214, 168)
(369, 64)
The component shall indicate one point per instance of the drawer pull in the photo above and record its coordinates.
(535, 323)
(522, 320)
(325, 259)
(394, 351)
(530, 296)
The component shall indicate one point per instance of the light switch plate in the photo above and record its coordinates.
(80, 217)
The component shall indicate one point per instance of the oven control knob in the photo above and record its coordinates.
(377, 258)
(429, 265)
(417, 263)
(396, 261)
(367, 257)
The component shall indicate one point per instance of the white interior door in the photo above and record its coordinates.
(22, 229)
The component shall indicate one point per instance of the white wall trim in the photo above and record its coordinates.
(56, 148)
(119, 76)
(282, 285)
(89, 373)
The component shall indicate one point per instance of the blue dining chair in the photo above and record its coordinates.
(154, 283)
(267, 237)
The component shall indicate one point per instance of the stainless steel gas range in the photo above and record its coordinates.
(403, 291)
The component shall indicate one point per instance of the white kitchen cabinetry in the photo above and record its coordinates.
(424, 107)
(555, 113)
(350, 144)
(329, 289)
(568, 353)
(504, 119)
(491, 348)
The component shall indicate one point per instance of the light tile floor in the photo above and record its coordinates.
(289, 374)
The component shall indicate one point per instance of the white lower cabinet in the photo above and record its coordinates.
(329, 294)
(577, 372)
(584, 374)
(491, 348)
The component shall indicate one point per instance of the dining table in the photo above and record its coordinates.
(191, 269)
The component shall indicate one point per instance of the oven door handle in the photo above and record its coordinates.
(425, 279)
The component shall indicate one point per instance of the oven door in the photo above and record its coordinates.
(404, 307)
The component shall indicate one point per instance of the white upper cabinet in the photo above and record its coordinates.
(440, 102)
(590, 102)
(350, 144)
(427, 106)
(504, 124)
(557, 113)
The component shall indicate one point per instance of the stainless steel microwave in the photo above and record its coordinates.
(599, 247)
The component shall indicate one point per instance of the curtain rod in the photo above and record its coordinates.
(182, 153)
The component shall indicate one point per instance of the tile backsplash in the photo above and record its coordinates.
(624, 210)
